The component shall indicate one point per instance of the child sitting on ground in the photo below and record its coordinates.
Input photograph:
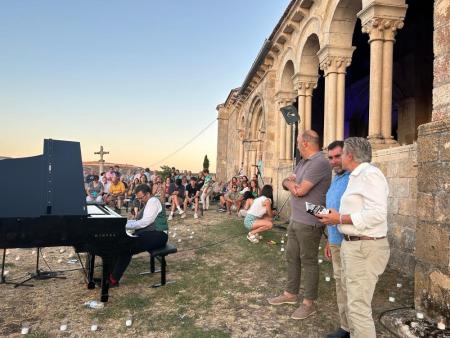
(259, 216)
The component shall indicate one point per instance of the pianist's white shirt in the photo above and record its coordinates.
(365, 200)
(151, 210)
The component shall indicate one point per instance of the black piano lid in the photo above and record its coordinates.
(47, 184)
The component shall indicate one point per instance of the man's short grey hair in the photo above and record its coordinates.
(360, 148)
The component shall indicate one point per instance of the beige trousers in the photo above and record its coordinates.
(341, 295)
(362, 262)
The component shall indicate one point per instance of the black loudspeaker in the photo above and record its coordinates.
(290, 114)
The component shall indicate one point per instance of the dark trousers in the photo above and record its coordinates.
(146, 241)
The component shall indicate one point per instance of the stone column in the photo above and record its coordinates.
(305, 85)
(282, 125)
(340, 103)
(376, 73)
(308, 106)
(389, 28)
(241, 147)
(334, 61)
(222, 142)
(381, 21)
(301, 107)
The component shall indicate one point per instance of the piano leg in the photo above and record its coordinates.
(107, 268)
(90, 262)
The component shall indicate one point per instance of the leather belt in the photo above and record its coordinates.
(361, 238)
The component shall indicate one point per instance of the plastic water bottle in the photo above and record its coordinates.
(93, 304)
(25, 328)
(64, 325)
(94, 325)
(128, 319)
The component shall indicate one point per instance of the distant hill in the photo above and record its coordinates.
(3, 157)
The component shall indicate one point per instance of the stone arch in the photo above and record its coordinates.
(286, 69)
(256, 118)
(311, 27)
(340, 21)
(253, 145)
(309, 61)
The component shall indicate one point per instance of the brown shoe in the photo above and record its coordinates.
(304, 311)
(283, 299)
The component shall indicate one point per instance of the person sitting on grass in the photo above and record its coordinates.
(116, 193)
(259, 216)
(222, 202)
(176, 191)
(192, 195)
(95, 191)
(232, 199)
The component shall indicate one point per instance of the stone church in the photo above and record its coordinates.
(372, 68)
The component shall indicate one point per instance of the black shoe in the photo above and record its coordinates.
(340, 333)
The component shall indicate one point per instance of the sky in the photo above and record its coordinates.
(140, 77)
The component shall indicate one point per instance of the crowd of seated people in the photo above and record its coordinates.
(238, 194)
(177, 192)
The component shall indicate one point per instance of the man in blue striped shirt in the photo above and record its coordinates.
(333, 246)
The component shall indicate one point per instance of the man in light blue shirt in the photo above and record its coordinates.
(333, 246)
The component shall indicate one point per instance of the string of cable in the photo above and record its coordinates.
(184, 145)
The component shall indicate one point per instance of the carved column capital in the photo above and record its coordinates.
(284, 98)
(335, 59)
(381, 20)
(390, 28)
(305, 84)
(335, 64)
(382, 28)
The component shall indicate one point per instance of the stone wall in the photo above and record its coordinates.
(441, 47)
(399, 165)
(432, 274)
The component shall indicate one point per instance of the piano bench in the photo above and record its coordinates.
(160, 254)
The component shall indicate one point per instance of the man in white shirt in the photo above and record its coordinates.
(362, 218)
(148, 238)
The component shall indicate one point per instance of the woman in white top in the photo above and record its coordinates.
(259, 216)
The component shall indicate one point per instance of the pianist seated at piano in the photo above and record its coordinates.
(116, 193)
(94, 191)
(146, 231)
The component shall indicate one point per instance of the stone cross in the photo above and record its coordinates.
(101, 161)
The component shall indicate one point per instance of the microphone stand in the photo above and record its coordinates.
(2, 277)
(294, 163)
(39, 274)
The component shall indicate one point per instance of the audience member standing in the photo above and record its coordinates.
(333, 245)
(310, 182)
(362, 218)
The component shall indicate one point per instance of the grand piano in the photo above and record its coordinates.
(43, 204)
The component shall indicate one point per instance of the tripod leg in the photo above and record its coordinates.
(2, 281)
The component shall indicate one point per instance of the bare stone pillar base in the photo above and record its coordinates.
(432, 273)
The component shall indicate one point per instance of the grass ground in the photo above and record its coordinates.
(220, 290)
